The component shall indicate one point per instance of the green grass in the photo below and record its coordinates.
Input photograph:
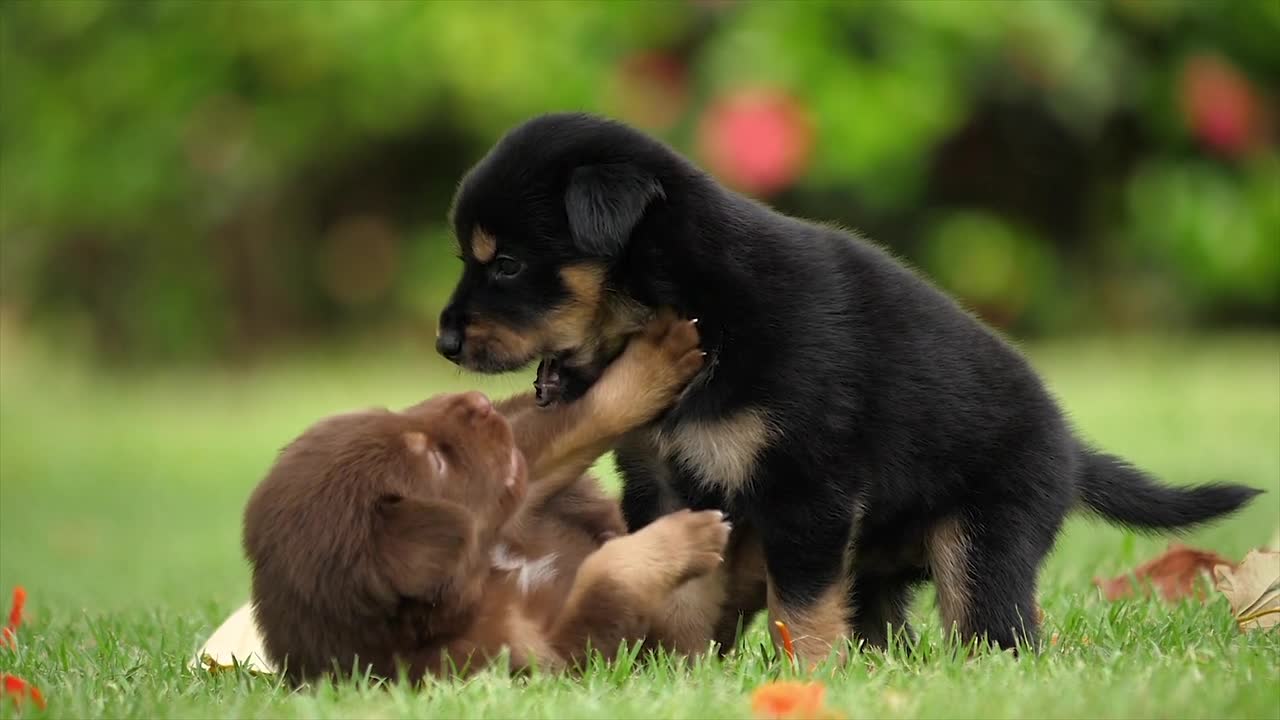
(120, 502)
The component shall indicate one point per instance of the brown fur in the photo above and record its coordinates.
(373, 538)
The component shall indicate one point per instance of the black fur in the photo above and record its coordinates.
(604, 203)
(894, 409)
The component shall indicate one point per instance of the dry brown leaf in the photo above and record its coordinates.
(1253, 589)
(1174, 574)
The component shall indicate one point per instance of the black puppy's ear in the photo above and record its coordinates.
(423, 544)
(605, 202)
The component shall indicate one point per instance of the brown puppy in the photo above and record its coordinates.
(373, 539)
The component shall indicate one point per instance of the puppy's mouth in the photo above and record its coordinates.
(560, 380)
(546, 386)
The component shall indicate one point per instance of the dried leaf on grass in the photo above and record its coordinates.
(1253, 589)
(1175, 574)
(237, 642)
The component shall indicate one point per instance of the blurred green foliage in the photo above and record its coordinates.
(190, 179)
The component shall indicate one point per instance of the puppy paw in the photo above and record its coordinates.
(655, 367)
(676, 343)
(698, 540)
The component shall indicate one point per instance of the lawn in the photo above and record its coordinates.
(120, 500)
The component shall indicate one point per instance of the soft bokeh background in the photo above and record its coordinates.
(196, 181)
(222, 220)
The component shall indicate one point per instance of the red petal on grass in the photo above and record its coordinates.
(1173, 574)
(19, 690)
(9, 636)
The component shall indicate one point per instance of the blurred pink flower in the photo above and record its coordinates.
(756, 139)
(1220, 105)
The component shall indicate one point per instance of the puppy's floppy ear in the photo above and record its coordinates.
(422, 543)
(605, 202)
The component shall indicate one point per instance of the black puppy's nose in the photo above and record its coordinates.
(449, 343)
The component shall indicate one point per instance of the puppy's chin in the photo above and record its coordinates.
(487, 364)
(576, 381)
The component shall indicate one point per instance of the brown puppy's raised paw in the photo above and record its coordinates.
(650, 374)
(669, 343)
(705, 535)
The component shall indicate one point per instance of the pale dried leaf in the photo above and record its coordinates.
(1253, 589)
(237, 640)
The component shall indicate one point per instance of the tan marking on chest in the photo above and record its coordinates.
(722, 453)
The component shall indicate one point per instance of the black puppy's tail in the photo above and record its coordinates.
(1122, 493)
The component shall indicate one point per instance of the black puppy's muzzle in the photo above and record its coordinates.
(449, 344)
(449, 336)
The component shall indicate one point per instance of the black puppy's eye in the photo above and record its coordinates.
(505, 268)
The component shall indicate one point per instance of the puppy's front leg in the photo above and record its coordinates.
(622, 587)
(561, 442)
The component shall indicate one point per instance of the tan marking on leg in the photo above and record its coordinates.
(722, 452)
(815, 629)
(483, 246)
(948, 554)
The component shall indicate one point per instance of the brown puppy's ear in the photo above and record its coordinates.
(424, 543)
(605, 203)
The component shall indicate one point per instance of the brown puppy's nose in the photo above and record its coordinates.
(474, 405)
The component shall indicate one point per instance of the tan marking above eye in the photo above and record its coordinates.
(483, 246)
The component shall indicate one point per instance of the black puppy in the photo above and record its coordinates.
(870, 431)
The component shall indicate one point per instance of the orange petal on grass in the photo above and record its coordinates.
(19, 690)
(790, 700)
(788, 646)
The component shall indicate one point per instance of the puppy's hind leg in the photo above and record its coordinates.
(879, 605)
(621, 589)
(985, 567)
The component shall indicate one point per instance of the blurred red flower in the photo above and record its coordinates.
(756, 139)
(1220, 104)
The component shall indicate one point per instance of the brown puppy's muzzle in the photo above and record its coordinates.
(484, 437)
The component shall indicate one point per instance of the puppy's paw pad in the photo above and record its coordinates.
(707, 532)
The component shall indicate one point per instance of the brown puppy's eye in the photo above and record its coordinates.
(505, 268)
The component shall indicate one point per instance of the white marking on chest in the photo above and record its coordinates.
(722, 453)
(532, 574)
